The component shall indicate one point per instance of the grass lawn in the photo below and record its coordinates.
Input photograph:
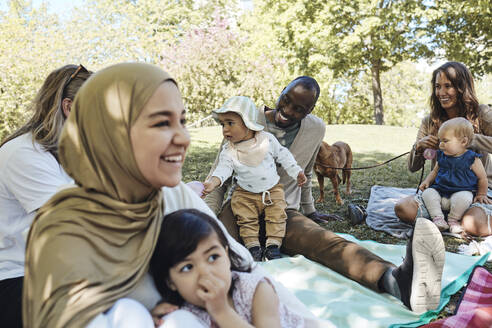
(370, 144)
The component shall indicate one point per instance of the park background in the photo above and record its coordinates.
(373, 60)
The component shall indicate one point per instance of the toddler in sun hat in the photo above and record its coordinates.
(250, 155)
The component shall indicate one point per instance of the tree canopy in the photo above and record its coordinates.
(360, 51)
(462, 31)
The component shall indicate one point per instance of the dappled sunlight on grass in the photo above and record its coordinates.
(210, 134)
(361, 138)
(204, 148)
(368, 138)
(199, 160)
(392, 174)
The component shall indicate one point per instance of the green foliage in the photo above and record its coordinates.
(351, 106)
(216, 51)
(349, 37)
(462, 31)
(27, 50)
(108, 31)
(33, 41)
(406, 90)
(210, 67)
(483, 85)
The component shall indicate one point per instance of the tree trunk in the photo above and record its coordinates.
(376, 92)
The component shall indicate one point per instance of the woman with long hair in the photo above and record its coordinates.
(29, 175)
(453, 95)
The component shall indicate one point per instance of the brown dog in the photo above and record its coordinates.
(337, 155)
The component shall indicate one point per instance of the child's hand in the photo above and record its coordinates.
(213, 291)
(482, 199)
(161, 310)
(424, 185)
(210, 185)
(301, 179)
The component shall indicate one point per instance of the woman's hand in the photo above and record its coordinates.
(301, 179)
(161, 310)
(482, 199)
(427, 142)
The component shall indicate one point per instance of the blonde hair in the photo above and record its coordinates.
(460, 127)
(47, 121)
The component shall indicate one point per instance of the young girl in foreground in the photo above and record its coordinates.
(457, 175)
(194, 267)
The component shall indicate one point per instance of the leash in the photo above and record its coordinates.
(373, 166)
(363, 167)
(421, 177)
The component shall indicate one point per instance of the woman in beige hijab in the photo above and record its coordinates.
(90, 245)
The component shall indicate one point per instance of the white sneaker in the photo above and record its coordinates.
(419, 276)
(428, 262)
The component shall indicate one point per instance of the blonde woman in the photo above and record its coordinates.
(29, 175)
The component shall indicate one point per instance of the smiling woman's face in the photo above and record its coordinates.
(445, 91)
(159, 137)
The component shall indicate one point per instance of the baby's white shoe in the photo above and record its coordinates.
(440, 223)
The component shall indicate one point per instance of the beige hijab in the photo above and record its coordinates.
(89, 245)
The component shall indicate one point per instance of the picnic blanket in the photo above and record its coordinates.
(345, 303)
(475, 307)
(380, 210)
